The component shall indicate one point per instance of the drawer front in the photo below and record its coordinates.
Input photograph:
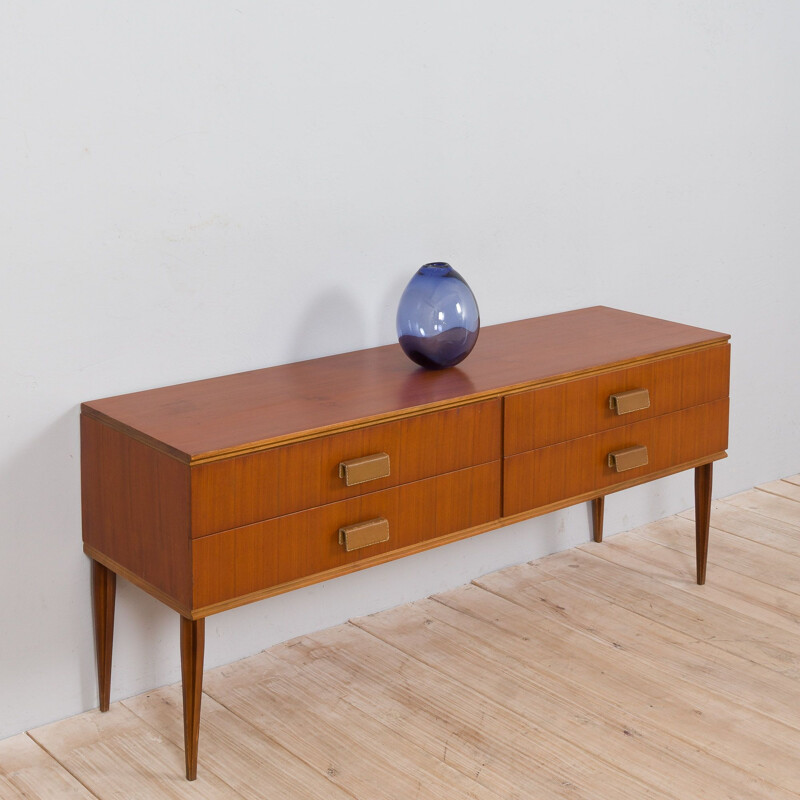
(259, 486)
(578, 408)
(552, 474)
(239, 562)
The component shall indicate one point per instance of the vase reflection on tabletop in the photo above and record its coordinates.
(437, 319)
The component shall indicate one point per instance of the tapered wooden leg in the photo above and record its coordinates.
(598, 504)
(702, 516)
(193, 639)
(104, 590)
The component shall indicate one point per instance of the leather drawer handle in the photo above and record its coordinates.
(366, 468)
(363, 534)
(625, 402)
(629, 458)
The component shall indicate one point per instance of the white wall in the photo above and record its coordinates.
(196, 188)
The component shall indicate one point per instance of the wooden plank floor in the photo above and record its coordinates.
(600, 672)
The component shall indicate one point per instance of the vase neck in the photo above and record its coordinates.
(436, 268)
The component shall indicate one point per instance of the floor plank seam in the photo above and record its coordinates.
(353, 673)
(711, 642)
(731, 699)
(62, 765)
(562, 698)
(722, 608)
(761, 513)
(636, 718)
(783, 614)
(777, 494)
(739, 535)
(200, 763)
(523, 683)
(278, 743)
(522, 717)
(713, 564)
(732, 507)
(646, 661)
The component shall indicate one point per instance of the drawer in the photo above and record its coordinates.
(578, 467)
(553, 414)
(240, 562)
(271, 483)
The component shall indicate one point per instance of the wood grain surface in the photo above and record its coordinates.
(114, 757)
(136, 508)
(104, 592)
(577, 408)
(222, 416)
(514, 657)
(703, 477)
(28, 771)
(246, 489)
(570, 469)
(217, 493)
(193, 642)
(602, 672)
(253, 765)
(245, 560)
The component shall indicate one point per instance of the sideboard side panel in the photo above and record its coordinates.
(136, 512)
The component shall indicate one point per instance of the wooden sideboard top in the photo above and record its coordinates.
(219, 417)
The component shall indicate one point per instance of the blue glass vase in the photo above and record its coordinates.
(437, 319)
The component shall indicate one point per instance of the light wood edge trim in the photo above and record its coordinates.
(472, 399)
(390, 416)
(429, 544)
(270, 444)
(133, 578)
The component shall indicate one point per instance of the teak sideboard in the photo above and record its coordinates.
(221, 492)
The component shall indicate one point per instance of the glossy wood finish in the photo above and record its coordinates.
(598, 507)
(382, 558)
(233, 414)
(702, 509)
(104, 590)
(246, 489)
(550, 474)
(193, 637)
(244, 561)
(135, 503)
(217, 493)
(577, 408)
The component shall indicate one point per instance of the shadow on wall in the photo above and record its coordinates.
(332, 323)
(386, 323)
(47, 580)
(44, 575)
(335, 322)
